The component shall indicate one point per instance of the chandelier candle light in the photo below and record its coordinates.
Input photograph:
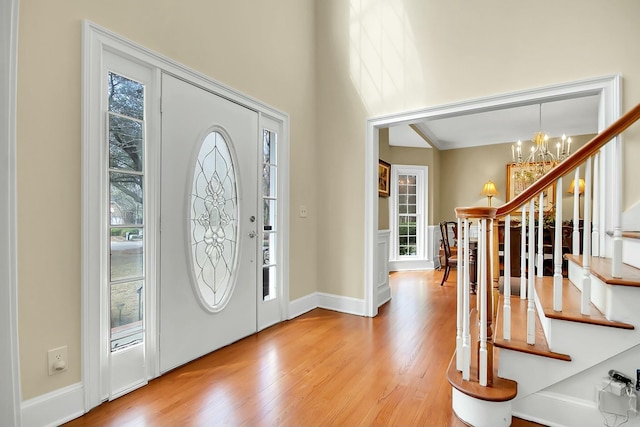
(540, 158)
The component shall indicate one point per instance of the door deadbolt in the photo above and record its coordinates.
(252, 218)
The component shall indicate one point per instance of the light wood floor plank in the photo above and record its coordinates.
(321, 369)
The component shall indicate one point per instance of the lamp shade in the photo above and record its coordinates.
(573, 185)
(489, 189)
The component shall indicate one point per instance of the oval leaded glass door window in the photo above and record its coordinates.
(214, 222)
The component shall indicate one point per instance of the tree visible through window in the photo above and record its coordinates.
(126, 209)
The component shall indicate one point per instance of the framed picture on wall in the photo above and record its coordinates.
(384, 178)
(521, 176)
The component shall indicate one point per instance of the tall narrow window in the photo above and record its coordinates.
(407, 215)
(126, 209)
(269, 210)
(408, 212)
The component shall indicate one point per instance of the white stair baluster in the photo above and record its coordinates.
(540, 235)
(466, 336)
(482, 293)
(616, 215)
(576, 212)
(595, 234)
(459, 304)
(506, 310)
(523, 252)
(586, 257)
(531, 319)
(557, 251)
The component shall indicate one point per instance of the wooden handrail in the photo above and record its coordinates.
(576, 159)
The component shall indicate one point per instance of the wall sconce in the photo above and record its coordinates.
(489, 190)
(573, 185)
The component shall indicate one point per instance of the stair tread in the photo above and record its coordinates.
(518, 341)
(601, 268)
(501, 390)
(571, 304)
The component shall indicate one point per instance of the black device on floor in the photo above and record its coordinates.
(619, 376)
(638, 379)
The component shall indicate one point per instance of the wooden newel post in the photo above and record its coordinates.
(485, 303)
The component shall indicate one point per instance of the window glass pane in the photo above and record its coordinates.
(125, 143)
(269, 249)
(214, 221)
(126, 306)
(126, 198)
(126, 96)
(411, 179)
(269, 147)
(269, 214)
(269, 181)
(127, 253)
(411, 199)
(268, 283)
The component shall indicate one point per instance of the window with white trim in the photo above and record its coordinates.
(408, 207)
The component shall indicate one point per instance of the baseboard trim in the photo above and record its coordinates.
(54, 408)
(557, 410)
(384, 294)
(412, 264)
(327, 301)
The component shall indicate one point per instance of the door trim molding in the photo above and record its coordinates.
(10, 388)
(608, 87)
(95, 42)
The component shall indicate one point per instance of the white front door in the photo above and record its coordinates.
(209, 194)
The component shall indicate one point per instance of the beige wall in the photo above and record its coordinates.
(265, 49)
(331, 64)
(396, 155)
(383, 57)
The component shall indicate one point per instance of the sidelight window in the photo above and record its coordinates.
(126, 173)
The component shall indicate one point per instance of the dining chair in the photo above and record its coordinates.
(450, 260)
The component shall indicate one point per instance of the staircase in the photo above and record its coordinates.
(542, 356)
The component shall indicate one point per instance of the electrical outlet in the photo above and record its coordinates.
(302, 212)
(57, 359)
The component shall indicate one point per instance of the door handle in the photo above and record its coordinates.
(252, 234)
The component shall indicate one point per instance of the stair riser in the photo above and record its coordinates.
(587, 344)
(534, 373)
(617, 303)
(631, 252)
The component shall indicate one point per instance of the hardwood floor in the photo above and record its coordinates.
(321, 369)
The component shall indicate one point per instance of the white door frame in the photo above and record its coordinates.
(608, 87)
(97, 40)
(10, 413)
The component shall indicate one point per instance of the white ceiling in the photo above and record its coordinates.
(575, 116)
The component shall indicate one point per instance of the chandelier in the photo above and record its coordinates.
(540, 158)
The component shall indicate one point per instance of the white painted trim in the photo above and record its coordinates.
(557, 410)
(96, 41)
(480, 413)
(384, 291)
(302, 305)
(55, 408)
(411, 264)
(342, 304)
(10, 413)
(422, 211)
(607, 86)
